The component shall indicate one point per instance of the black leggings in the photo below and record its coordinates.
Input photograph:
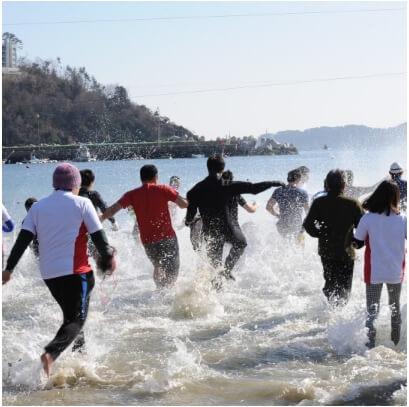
(215, 244)
(72, 294)
(338, 279)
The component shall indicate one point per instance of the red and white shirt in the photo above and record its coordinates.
(61, 222)
(150, 204)
(384, 237)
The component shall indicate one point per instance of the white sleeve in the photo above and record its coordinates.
(91, 220)
(5, 215)
(361, 232)
(28, 222)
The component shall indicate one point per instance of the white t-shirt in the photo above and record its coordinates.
(61, 222)
(385, 247)
(5, 215)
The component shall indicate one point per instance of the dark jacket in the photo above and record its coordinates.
(332, 219)
(213, 199)
(96, 200)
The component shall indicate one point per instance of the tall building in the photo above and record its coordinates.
(9, 52)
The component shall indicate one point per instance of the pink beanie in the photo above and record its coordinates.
(66, 176)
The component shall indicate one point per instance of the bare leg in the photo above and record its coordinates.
(47, 361)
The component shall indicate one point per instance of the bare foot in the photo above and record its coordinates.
(47, 361)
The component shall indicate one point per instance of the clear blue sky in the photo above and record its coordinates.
(286, 42)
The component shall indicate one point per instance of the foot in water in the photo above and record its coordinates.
(217, 283)
(47, 361)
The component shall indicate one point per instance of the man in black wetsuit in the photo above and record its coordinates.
(213, 199)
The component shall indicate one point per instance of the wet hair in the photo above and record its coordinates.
(29, 203)
(148, 172)
(227, 175)
(173, 179)
(383, 198)
(305, 172)
(215, 164)
(87, 177)
(335, 181)
(349, 177)
(294, 175)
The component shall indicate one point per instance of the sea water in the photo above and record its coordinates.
(269, 338)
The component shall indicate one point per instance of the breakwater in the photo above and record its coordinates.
(144, 150)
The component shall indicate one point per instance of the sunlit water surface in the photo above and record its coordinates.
(267, 339)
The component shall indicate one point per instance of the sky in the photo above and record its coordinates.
(232, 68)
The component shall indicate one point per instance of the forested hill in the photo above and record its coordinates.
(48, 103)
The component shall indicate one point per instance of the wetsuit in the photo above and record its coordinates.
(332, 219)
(96, 200)
(214, 201)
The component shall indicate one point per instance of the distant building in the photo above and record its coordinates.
(267, 139)
(9, 52)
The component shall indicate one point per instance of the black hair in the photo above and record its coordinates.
(148, 172)
(294, 175)
(335, 181)
(29, 202)
(227, 175)
(349, 177)
(215, 164)
(87, 177)
(383, 198)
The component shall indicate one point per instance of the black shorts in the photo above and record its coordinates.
(164, 254)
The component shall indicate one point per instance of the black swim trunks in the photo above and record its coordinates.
(164, 254)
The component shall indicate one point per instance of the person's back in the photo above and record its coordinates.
(337, 215)
(60, 221)
(291, 201)
(150, 205)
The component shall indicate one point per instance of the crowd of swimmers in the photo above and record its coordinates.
(64, 230)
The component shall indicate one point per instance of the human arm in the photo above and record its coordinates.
(239, 187)
(181, 202)
(8, 226)
(270, 207)
(106, 261)
(312, 220)
(251, 208)
(23, 240)
(111, 211)
(102, 206)
(361, 234)
(191, 208)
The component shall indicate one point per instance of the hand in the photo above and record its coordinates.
(6, 276)
(107, 264)
(8, 226)
(278, 184)
(115, 226)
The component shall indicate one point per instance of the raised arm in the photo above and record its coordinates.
(239, 187)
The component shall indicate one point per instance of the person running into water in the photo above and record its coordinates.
(383, 231)
(332, 219)
(212, 198)
(353, 191)
(396, 172)
(87, 191)
(150, 205)
(291, 201)
(61, 222)
(34, 244)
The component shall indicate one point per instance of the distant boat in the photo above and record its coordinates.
(83, 155)
(197, 155)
